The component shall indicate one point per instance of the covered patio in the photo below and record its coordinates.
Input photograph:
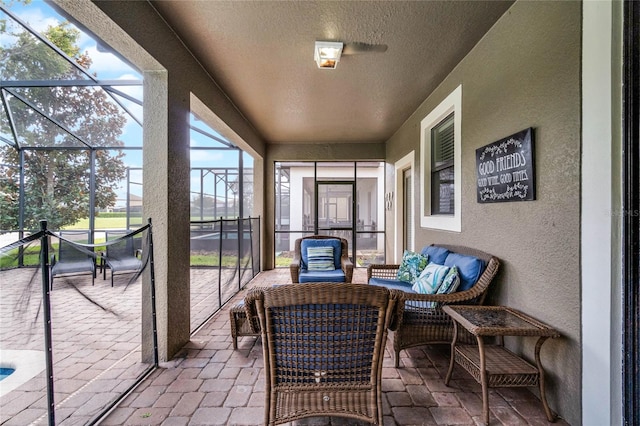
(570, 251)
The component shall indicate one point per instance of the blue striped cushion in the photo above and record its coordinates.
(324, 242)
(335, 276)
(320, 258)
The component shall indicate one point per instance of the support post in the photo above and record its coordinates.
(153, 297)
(46, 304)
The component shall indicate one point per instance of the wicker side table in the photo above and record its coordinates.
(494, 365)
(239, 324)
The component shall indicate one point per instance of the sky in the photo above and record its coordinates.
(39, 16)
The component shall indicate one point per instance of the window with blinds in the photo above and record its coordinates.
(442, 167)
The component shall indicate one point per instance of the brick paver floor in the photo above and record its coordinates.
(208, 383)
(96, 332)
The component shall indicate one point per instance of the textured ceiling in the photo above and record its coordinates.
(261, 55)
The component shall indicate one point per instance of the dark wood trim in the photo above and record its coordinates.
(631, 214)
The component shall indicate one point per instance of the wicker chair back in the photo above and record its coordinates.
(323, 349)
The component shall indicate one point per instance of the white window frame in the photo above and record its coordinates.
(452, 103)
(406, 162)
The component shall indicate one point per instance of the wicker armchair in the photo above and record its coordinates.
(420, 323)
(346, 266)
(323, 348)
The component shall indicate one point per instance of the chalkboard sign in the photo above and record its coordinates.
(505, 169)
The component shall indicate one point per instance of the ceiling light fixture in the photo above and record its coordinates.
(327, 54)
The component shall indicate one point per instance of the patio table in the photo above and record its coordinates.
(494, 365)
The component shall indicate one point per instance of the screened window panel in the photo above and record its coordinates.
(35, 130)
(442, 143)
(88, 112)
(134, 108)
(368, 212)
(134, 197)
(282, 191)
(443, 192)
(295, 197)
(9, 187)
(209, 205)
(442, 169)
(29, 58)
(247, 184)
(56, 187)
(5, 129)
(308, 204)
(204, 136)
(197, 200)
(335, 171)
(118, 172)
(226, 192)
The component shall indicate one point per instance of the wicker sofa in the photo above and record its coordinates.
(421, 322)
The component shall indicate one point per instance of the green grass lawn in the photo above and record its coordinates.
(101, 223)
(31, 257)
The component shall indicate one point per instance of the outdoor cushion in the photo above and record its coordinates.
(335, 276)
(320, 258)
(411, 266)
(391, 284)
(436, 254)
(451, 281)
(306, 243)
(469, 268)
(430, 279)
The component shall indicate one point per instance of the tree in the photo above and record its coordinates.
(57, 179)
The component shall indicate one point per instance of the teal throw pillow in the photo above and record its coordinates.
(451, 281)
(320, 259)
(411, 266)
(430, 279)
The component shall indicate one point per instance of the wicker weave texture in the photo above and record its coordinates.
(500, 321)
(240, 325)
(351, 403)
(504, 369)
(421, 324)
(345, 262)
(323, 348)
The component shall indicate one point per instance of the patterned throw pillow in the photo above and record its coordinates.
(451, 281)
(430, 279)
(411, 266)
(320, 259)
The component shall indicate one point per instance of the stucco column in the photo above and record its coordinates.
(166, 202)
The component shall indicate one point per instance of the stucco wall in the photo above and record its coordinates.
(524, 73)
